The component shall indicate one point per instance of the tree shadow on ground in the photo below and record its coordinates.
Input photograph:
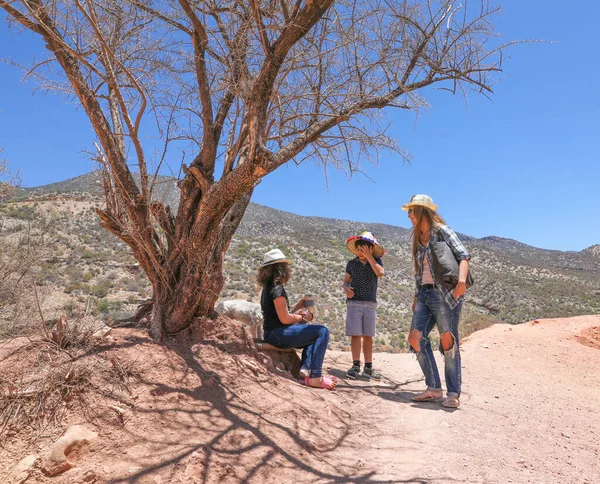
(239, 442)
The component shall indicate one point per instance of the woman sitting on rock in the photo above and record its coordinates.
(289, 329)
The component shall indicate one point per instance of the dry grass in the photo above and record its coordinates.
(42, 382)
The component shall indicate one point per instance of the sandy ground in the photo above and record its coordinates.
(529, 413)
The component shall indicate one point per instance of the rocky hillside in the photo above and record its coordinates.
(594, 250)
(84, 268)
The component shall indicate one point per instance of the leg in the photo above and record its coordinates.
(422, 323)
(368, 330)
(312, 337)
(354, 330)
(355, 345)
(451, 350)
(316, 351)
(368, 348)
(369, 321)
(305, 363)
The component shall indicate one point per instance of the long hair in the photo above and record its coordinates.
(277, 273)
(423, 213)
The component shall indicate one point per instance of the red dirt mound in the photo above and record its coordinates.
(200, 408)
(590, 337)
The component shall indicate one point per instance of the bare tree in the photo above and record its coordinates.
(234, 89)
(9, 180)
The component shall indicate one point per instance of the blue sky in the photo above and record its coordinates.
(524, 165)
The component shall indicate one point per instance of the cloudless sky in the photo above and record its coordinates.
(525, 165)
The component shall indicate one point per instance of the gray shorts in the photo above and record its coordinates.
(360, 318)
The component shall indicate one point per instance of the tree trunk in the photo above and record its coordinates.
(196, 283)
(196, 295)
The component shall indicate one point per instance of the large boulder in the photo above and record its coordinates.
(246, 312)
(56, 460)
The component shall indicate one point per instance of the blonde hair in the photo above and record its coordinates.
(277, 273)
(435, 220)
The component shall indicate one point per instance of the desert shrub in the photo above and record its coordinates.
(74, 273)
(102, 306)
(95, 256)
(21, 212)
(76, 287)
(109, 308)
(133, 286)
(101, 289)
(473, 322)
(398, 341)
(20, 268)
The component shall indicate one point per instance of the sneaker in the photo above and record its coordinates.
(353, 372)
(369, 372)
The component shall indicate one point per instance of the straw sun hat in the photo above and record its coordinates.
(378, 251)
(274, 257)
(422, 200)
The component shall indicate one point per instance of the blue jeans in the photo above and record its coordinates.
(431, 309)
(312, 338)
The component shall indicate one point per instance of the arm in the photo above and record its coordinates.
(347, 289)
(289, 318)
(460, 251)
(298, 305)
(462, 255)
(463, 270)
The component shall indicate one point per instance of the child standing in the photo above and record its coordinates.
(360, 286)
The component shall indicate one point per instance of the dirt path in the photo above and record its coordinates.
(529, 413)
(530, 406)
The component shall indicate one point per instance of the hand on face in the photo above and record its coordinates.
(365, 251)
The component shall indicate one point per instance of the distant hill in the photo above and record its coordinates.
(594, 250)
(514, 281)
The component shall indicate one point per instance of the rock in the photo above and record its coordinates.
(267, 361)
(274, 359)
(102, 331)
(245, 312)
(83, 476)
(251, 366)
(56, 461)
(120, 411)
(21, 471)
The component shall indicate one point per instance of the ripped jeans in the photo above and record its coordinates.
(431, 309)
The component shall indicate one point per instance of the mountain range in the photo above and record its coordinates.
(515, 282)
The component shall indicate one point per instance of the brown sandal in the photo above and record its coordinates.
(451, 402)
(427, 396)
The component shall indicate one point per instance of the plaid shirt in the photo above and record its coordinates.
(459, 251)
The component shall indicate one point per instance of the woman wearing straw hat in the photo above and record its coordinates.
(434, 303)
(285, 328)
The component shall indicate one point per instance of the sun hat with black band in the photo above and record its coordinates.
(378, 251)
(420, 200)
(275, 256)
